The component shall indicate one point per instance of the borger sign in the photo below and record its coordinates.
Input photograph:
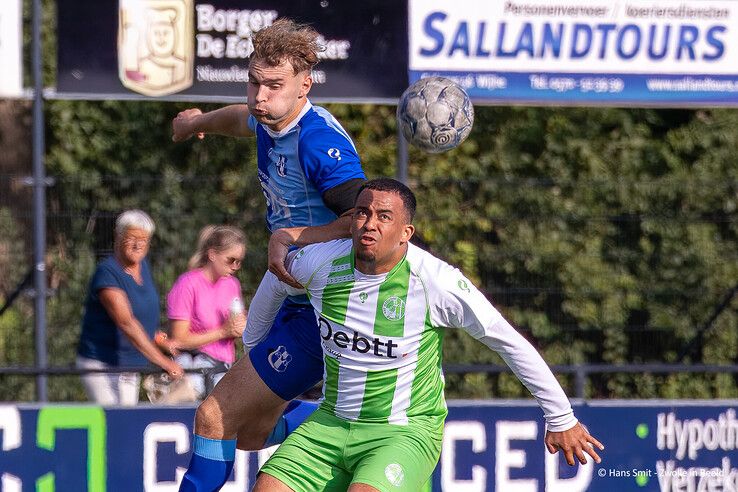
(164, 44)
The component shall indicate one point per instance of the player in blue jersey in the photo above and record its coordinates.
(310, 174)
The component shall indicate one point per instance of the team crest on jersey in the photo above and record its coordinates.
(280, 162)
(279, 359)
(363, 297)
(395, 474)
(393, 308)
(463, 285)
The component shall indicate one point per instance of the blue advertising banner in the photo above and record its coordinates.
(666, 446)
(579, 52)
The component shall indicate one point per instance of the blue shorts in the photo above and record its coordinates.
(290, 359)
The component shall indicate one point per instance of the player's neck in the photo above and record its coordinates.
(369, 268)
(380, 267)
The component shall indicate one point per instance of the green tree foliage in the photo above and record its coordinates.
(607, 235)
(16, 334)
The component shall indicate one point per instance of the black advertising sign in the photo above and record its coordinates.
(198, 50)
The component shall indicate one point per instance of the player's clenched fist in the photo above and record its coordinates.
(183, 125)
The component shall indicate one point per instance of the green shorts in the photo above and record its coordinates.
(330, 453)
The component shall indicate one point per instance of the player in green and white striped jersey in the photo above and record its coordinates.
(382, 305)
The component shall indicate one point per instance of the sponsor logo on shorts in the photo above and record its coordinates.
(355, 342)
(395, 474)
(393, 308)
(463, 286)
(279, 359)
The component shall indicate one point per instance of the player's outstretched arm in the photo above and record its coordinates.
(457, 303)
(574, 443)
(230, 120)
(282, 239)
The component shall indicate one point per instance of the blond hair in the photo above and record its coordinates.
(285, 40)
(217, 237)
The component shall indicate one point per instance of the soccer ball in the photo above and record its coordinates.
(435, 114)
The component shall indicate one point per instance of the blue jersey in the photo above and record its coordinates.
(300, 163)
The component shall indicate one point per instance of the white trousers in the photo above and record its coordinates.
(198, 381)
(109, 389)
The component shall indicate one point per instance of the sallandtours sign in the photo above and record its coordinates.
(580, 52)
(664, 446)
(198, 50)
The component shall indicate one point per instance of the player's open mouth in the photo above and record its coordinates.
(367, 240)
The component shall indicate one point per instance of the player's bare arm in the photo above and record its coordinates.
(340, 199)
(574, 443)
(282, 239)
(230, 121)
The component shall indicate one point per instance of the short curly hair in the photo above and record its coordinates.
(286, 40)
(393, 186)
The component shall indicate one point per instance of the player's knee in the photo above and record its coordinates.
(215, 420)
(208, 420)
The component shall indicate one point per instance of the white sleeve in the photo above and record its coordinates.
(264, 308)
(456, 303)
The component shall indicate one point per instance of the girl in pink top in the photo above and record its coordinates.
(205, 307)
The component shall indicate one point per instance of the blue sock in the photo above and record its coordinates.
(210, 466)
(294, 415)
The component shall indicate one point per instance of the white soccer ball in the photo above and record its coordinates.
(435, 114)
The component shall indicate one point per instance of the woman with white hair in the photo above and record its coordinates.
(121, 316)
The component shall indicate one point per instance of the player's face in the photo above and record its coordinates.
(380, 231)
(275, 94)
(134, 245)
(226, 262)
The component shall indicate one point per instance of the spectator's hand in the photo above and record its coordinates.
(174, 370)
(166, 344)
(279, 245)
(183, 123)
(574, 442)
(235, 325)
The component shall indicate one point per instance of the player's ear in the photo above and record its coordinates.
(408, 232)
(305, 85)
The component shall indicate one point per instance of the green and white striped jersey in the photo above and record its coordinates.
(382, 334)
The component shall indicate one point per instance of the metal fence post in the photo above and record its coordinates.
(580, 381)
(402, 156)
(39, 208)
